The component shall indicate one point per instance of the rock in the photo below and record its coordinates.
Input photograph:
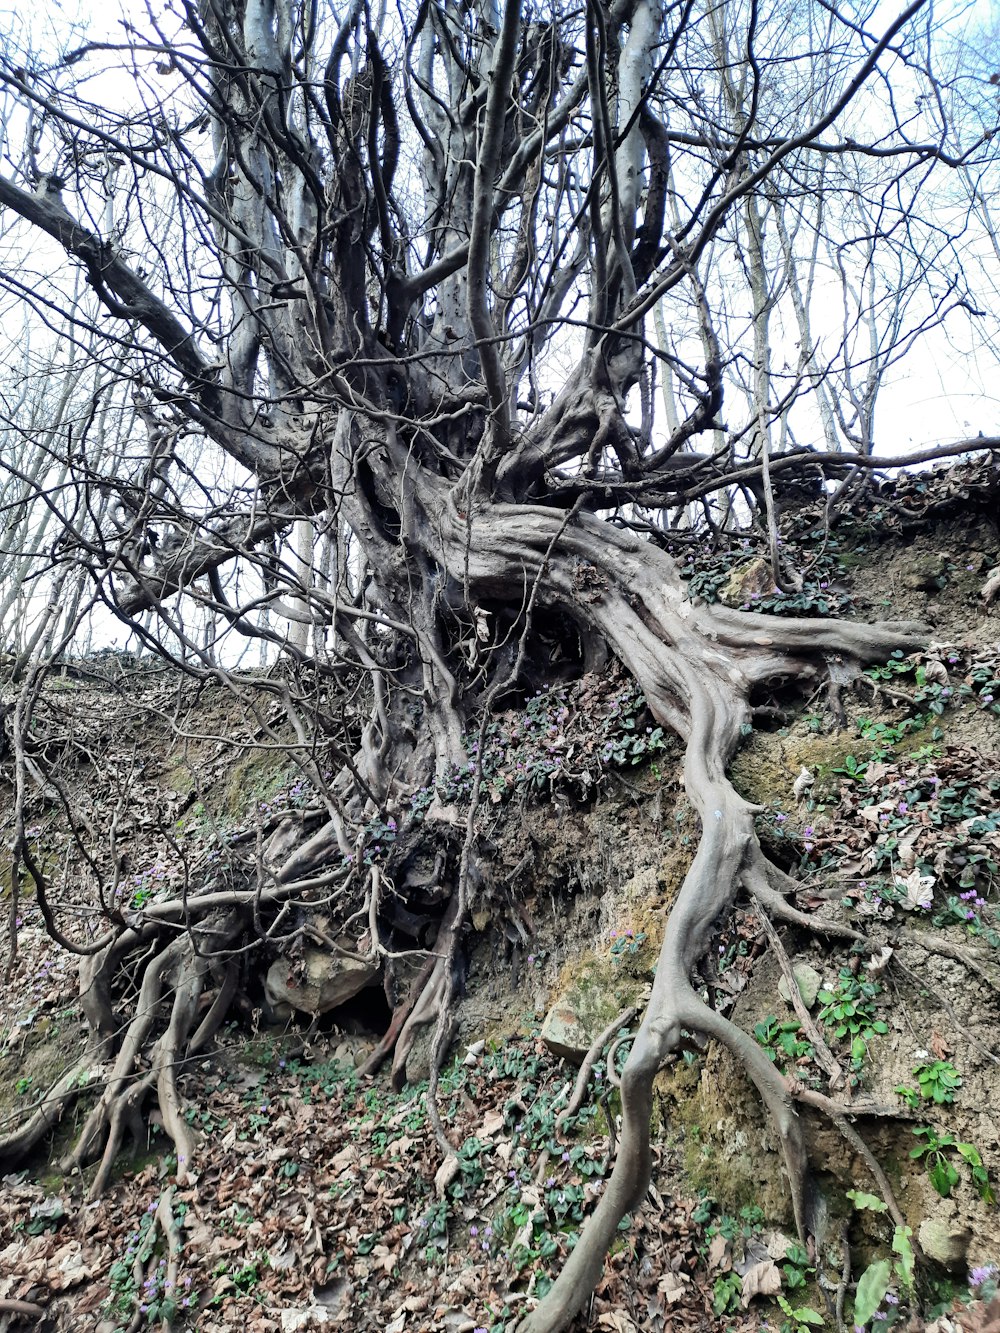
(946, 1242)
(323, 981)
(566, 1033)
(927, 573)
(590, 999)
(808, 980)
(747, 583)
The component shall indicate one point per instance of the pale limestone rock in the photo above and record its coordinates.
(946, 1242)
(324, 981)
(808, 980)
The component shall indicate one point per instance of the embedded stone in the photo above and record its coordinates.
(927, 573)
(944, 1241)
(808, 981)
(566, 1033)
(320, 982)
(747, 583)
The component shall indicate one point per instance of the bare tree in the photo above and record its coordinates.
(379, 288)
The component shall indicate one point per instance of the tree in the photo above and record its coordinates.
(379, 287)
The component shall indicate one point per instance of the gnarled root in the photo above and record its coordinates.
(182, 965)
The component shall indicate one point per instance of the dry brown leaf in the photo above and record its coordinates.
(718, 1252)
(764, 1279)
(618, 1323)
(446, 1173)
(673, 1286)
(493, 1122)
(938, 1047)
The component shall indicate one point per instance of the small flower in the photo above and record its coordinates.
(980, 1275)
(473, 1231)
(903, 807)
(807, 832)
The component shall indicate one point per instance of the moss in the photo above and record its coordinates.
(597, 989)
(255, 777)
(178, 775)
(721, 1135)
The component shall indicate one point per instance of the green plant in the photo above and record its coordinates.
(850, 1009)
(781, 1042)
(873, 1285)
(802, 1317)
(796, 1267)
(627, 943)
(726, 1292)
(939, 1080)
(938, 1151)
(244, 1278)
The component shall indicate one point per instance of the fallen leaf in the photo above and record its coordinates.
(918, 890)
(673, 1286)
(717, 1251)
(493, 1122)
(939, 1047)
(764, 1279)
(446, 1173)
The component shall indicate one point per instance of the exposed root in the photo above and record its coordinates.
(847, 1130)
(171, 1234)
(728, 853)
(165, 1058)
(769, 886)
(824, 1056)
(589, 1060)
(27, 1308)
(219, 1008)
(50, 1111)
(183, 965)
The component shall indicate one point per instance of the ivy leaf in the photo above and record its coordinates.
(862, 1200)
(901, 1246)
(872, 1286)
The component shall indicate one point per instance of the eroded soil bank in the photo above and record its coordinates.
(316, 1198)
